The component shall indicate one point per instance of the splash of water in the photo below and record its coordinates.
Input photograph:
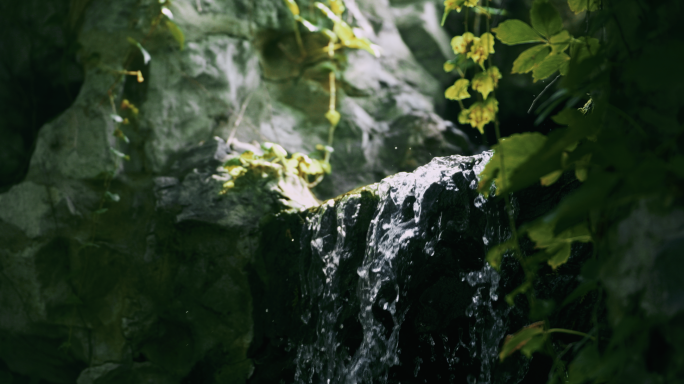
(398, 227)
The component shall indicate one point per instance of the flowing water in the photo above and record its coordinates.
(363, 259)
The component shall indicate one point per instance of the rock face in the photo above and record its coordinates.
(139, 269)
(388, 283)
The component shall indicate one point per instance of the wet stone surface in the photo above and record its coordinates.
(389, 284)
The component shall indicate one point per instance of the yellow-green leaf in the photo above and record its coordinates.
(530, 59)
(485, 82)
(559, 254)
(176, 32)
(333, 117)
(292, 6)
(578, 6)
(583, 48)
(516, 149)
(551, 178)
(545, 18)
(551, 65)
(495, 254)
(560, 42)
(513, 32)
(458, 91)
(533, 345)
(515, 342)
(541, 232)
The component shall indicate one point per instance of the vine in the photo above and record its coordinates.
(617, 161)
(313, 167)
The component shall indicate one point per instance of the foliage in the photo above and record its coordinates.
(274, 161)
(623, 145)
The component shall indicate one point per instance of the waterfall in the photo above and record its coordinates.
(365, 259)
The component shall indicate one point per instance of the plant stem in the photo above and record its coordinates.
(571, 332)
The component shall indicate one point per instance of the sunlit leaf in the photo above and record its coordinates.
(515, 342)
(550, 65)
(560, 41)
(337, 6)
(485, 82)
(116, 118)
(461, 44)
(176, 32)
(292, 6)
(333, 117)
(545, 18)
(516, 149)
(549, 158)
(112, 196)
(578, 6)
(119, 133)
(458, 91)
(119, 154)
(530, 59)
(326, 167)
(481, 49)
(167, 12)
(482, 113)
(146, 55)
(513, 32)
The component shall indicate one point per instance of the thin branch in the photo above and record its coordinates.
(540, 95)
(239, 118)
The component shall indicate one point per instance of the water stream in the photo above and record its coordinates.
(404, 268)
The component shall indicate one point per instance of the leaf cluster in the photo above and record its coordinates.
(623, 143)
(273, 162)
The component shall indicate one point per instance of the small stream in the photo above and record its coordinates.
(418, 301)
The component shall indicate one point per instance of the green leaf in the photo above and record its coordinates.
(100, 211)
(520, 339)
(530, 59)
(560, 42)
(583, 48)
(515, 149)
(112, 196)
(119, 154)
(559, 255)
(116, 118)
(533, 345)
(545, 18)
(176, 32)
(578, 6)
(542, 233)
(512, 32)
(510, 298)
(551, 178)
(495, 254)
(167, 12)
(550, 65)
